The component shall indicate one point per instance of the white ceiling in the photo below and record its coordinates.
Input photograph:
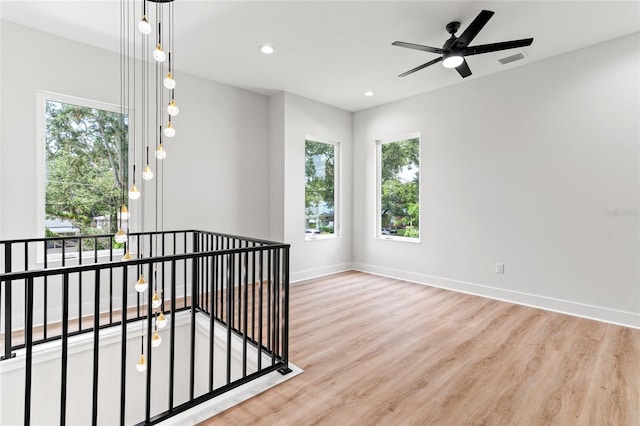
(334, 51)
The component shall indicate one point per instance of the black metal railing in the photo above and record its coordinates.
(233, 289)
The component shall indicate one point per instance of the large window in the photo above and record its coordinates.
(321, 189)
(86, 157)
(398, 189)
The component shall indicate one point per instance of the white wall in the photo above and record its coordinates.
(304, 117)
(536, 167)
(216, 172)
(276, 167)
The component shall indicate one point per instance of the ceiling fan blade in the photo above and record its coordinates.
(417, 47)
(474, 28)
(418, 68)
(494, 47)
(463, 69)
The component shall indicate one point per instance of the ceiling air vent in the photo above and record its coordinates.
(512, 58)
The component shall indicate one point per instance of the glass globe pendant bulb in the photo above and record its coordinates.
(124, 212)
(134, 194)
(147, 174)
(169, 82)
(159, 54)
(161, 154)
(156, 339)
(169, 131)
(143, 26)
(142, 364)
(161, 321)
(155, 300)
(141, 285)
(120, 236)
(127, 256)
(172, 109)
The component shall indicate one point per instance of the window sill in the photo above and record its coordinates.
(399, 239)
(320, 237)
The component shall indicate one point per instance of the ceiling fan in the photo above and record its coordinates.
(456, 48)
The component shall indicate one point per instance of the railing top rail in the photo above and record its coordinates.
(12, 276)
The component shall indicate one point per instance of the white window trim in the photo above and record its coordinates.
(41, 97)
(377, 188)
(337, 192)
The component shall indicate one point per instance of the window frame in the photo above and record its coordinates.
(337, 193)
(42, 97)
(378, 188)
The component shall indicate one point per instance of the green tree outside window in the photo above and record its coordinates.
(400, 188)
(86, 166)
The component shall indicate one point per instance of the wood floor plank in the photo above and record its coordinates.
(379, 351)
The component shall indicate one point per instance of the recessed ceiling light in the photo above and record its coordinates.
(368, 93)
(266, 49)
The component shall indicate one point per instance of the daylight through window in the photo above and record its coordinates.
(85, 167)
(399, 189)
(320, 189)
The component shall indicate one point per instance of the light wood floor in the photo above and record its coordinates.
(387, 352)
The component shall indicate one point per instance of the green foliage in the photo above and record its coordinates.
(409, 231)
(86, 154)
(88, 243)
(49, 233)
(326, 230)
(319, 174)
(399, 203)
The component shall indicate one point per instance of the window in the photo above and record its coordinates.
(85, 169)
(398, 189)
(321, 189)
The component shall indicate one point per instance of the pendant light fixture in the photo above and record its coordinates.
(120, 236)
(134, 193)
(161, 154)
(161, 320)
(144, 26)
(169, 82)
(169, 131)
(141, 284)
(147, 174)
(149, 97)
(141, 366)
(173, 109)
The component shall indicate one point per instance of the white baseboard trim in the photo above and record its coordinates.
(598, 313)
(319, 272)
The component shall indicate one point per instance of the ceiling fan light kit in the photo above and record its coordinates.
(453, 51)
(452, 59)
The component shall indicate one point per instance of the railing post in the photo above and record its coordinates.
(149, 334)
(123, 348)
(65, 343)
(173, 332)
(96, 347)
(285, 317)
(212, 329)
(194, 301)
(7, 305)
(230, 292)
(29, 351)
(245, 312)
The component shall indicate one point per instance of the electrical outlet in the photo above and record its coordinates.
(499, 268)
